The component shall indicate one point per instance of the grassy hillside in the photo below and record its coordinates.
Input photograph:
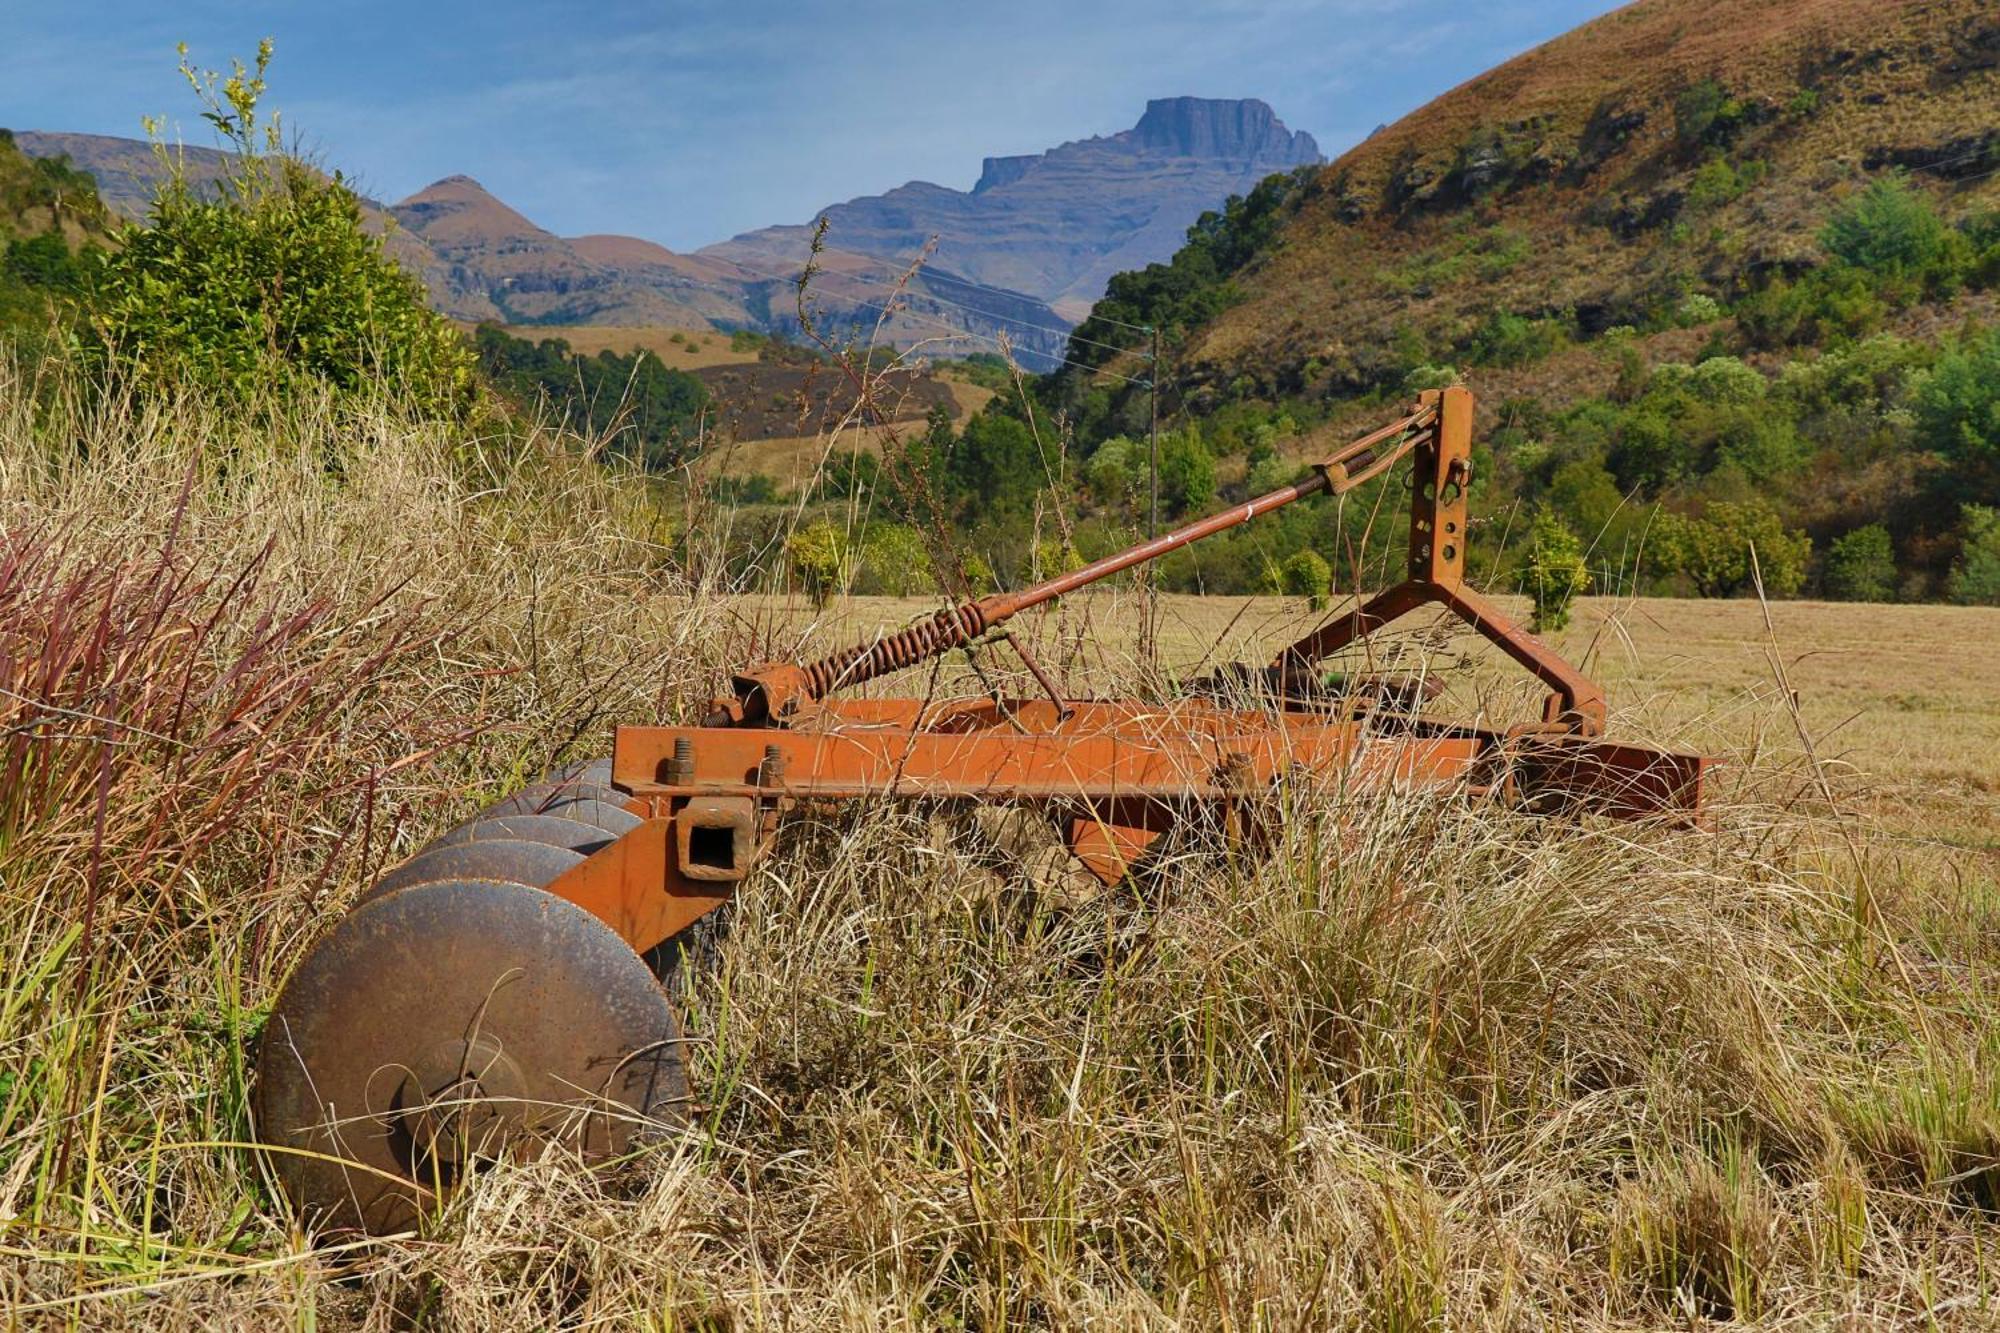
(1668, 148)
(1806, 192)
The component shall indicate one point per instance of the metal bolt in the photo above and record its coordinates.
(771, 773)
(680, 769)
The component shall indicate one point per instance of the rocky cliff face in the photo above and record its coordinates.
(1245, 131)
(1057, 225)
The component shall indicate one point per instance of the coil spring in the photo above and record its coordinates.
(943, 632)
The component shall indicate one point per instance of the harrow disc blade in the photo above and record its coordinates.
(445, 1026)
(595, 771)
(613, 818)
(552, 830)
(543, 797)
(529, 864)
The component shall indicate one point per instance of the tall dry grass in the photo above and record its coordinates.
(1424, 1066)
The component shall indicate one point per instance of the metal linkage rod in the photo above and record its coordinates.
(770, 691)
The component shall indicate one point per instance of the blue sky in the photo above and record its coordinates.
(688, 122)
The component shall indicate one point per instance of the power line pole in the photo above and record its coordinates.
(1149, 601)
(1153, 435)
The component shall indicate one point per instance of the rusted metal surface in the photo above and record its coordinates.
(501, 860)
(447, 1023)
(551, 829)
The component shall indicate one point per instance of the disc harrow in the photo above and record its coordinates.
(493, 993)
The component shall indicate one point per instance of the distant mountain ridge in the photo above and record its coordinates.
(1023, 254)
(1056, 225)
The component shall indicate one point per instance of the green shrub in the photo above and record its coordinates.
(1706, 116)
(1110, 472)
(1975, 577)
(820, 561)
(1713, 549)
(895, 562)
(977, 574)
(1861, 566)
(1053, 556)
(1555, 574)
(1431, 377)
(1187, 472)
(1697, 308)
(1514, 340)
(1958, 406)
(271, 280)
(1716, 182)
(1892, 230)
(1306, 574)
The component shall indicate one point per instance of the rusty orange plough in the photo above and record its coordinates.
(502, 988)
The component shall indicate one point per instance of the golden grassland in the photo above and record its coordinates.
(677, 349)
(1424, 1065)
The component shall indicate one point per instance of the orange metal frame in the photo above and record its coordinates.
(1114, 775)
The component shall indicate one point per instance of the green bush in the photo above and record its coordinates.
(1187, 472)
(1725, 379)
(1697, 308)
(272, 280)
(1975, 577)
(977, 573)
(1554, 575)
(1713, 549)
(1306, 574)
(820, 561)
(1958, 407)
(1892, 230)
(1861, 566)
(894, 561)
(1706, 116)
(1431, 377)
(1052, 556)
(1514, 340)
(1110, 472)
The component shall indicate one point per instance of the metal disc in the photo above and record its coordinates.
(541, 797)
(553, 830)
(445, 1025)
(509, 861)
(613, 819)
(597, 771)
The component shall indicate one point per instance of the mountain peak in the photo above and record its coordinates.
(449, 187)
(458, 210)
(1225, 129)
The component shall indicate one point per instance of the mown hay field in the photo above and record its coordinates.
(1425, 1066)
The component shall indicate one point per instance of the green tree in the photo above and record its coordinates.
(820, 561)
(1861, 566)
(1958, 411)
(1975, 578)
(1306, 574)
(1555, 574)
(1187, 472)
(894, 560)
(1892, 230)
(996, 465)
(1713, 549)
(271, 281)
